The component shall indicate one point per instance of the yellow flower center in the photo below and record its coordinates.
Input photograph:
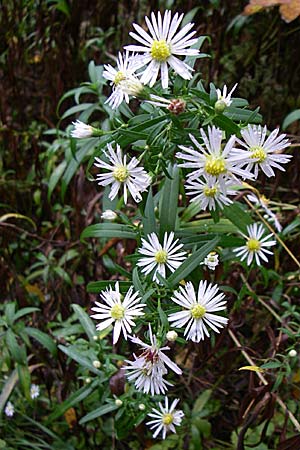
(215, 165)
(210, 192)
(117, 312)
(198, 311)
(121, 174)
(161, 257)
(160, 50)
(119, 77)
(253, 245)
(167, 419)
(258, 152)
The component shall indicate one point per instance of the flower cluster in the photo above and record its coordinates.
(215, 165)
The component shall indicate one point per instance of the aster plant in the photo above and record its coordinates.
(172, 171)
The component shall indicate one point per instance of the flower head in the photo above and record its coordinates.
(264, 153)
(156, 256)
(211, 159)
(166, 418)
(108, 214)
(81, 130)
(198, 312)
(256, 244)
(122, 174)
(263, 202)
(34, 391)
(147, 370)
(211, 260)
(224, 99)
(210, 191)
(161, 45)
(9, 409)
(122, 79)
(176, 106)
(118, 311)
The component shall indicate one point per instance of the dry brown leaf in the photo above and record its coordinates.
(290, 11)
(70, 416)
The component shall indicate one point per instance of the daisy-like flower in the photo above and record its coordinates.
(118, 310)
(157, 257)
(9, 409)
(81, 130)
(147, 370)
(263, 202)
(264, 153)
(161, 45)
(122, 79)
(122, 174)
(198, 310)
(34, 391)
(165, 419)
(224, 99)
(256, 244)
(211, 260)
(213, 160)
(210, 191)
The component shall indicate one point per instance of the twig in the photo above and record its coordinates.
(265, 382)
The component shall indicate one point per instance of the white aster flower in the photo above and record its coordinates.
(147, 370)
(34, 391)
(210, 191)
(263, 202)
(122, 174)
(264, 153)
(211, 159)
(211, 260)
(123, 80)
(9, 409)
(198, 310)
(224, 97)
(256, 245)
(108, 214)
(157, 257)
(81, 130)
(166, 418)
(161, 45)
(175, 106)
(121, 312)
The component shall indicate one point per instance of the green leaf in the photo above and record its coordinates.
(236, 214)
(9, 312)
(108, 230)
(17, 351)
(24, 311)
(271, 365)
(201, 401)
(149, 222)
(137, 282)
(75, 354)
(71, 401)
(169, 201)
(290, 118)
(55, 177)
(44, 339)
(8, 388)
(98, 412)
(226, 124)
(94, 287)
(24, 377)
(192, 262)
(207, 226)
(86, 322)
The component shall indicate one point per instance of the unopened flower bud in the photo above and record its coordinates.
(95, 338)
(292, 353)
(220, 106)
(88, 380)
(97, 364)
(118, 402)
(109, 215)
(142, 407)
(176, 106)
(171, 336)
